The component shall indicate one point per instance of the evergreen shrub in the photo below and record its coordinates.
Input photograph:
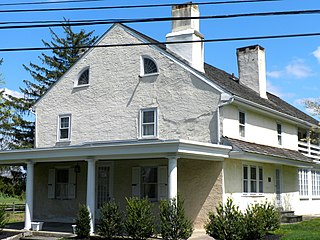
(83, 222)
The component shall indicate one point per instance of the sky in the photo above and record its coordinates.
(293, 64)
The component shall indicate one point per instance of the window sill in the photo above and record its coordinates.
(64, 141)
(149, 75)
(253, 195)
(81, 86)
(149, 137)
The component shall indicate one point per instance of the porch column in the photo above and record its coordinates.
(29, 196)
(91, 191)
(172, 177)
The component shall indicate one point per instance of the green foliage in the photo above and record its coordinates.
(227, 223)
(173, 222)
(3, 217)
(140, 220)
(83, 222)
(110, 221)
(67, 49)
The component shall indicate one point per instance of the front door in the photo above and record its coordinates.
(103, 191)
(278, 188)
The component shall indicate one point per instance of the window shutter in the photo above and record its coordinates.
(136, 181)
(51, 183)
(162, 182)
(72, 180)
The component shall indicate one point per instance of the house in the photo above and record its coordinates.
(155, 120)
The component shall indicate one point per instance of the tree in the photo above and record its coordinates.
(313, 105)
(65, 52)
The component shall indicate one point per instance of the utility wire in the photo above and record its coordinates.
(164, 43)
(160, 19)
(51, 2)
(131, 6)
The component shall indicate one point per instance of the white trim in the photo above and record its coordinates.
(76, 82)
(142, 70)
(59, 125)
(156, 123)
(258, 167)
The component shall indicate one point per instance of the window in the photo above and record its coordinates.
(64, 127)
(303, 182)
(279, 132)
(252, 179)
(242, 121)
(315, 175)
(150, 181)
(148, 66)
(148, 126)
(62, 183)
(84, 78)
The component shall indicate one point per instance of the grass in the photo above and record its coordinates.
(15, 217)
(10, 200)
(306, 230)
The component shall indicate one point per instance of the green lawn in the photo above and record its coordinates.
(10, 200)
(305, 230)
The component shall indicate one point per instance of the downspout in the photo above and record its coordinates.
(218, 117)
(33, 111)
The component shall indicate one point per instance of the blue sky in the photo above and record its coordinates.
(293, 64)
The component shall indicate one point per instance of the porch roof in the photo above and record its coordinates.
(130, 149)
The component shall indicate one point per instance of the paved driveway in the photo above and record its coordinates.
(200, 235)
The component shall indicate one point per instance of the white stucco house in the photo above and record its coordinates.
(155, 120)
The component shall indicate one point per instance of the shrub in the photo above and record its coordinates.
(110, 221)
(259, 219)
(83, 222)
(140, 220)
(227, 223)
(173, 223)
(3, 217)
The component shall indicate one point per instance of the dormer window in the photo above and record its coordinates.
(83, 78)
(148, 66)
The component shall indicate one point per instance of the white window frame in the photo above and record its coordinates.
(70, 185)
(59, 139)
(142, 70)
(303, 182)
(279, 133)
(309, 183)
(247, 180)
(242, 126)
(76, 83)
(155, 123)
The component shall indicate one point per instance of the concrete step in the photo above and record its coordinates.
(287, 213)
(291, 219)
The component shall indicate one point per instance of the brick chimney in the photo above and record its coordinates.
(187, 30)
(252, 68)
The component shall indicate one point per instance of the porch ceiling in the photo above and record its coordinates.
(135, 149)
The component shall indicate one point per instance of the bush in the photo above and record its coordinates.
(227, 223)
(110, 221)
(140, 220)
(83, 222)
(259, 219)
(3, 217)
(173, 223)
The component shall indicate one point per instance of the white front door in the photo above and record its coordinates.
(103, 186)
(278, 188)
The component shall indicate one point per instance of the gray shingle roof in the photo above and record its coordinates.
(265, 150)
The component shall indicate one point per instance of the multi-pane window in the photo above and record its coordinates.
(242, 121)
(64, 127)
(62, 180)
(279, 133)
(315, 176)
(84, 78)
(303, 182)
(149, 66)
(149, 122)
(252, 179)
(149, 182)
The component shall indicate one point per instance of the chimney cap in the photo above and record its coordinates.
(251, 47)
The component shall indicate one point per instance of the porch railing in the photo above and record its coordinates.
(309, 150)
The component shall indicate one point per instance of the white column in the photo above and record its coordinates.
(172, 177)
(91, 191)
(29, 196)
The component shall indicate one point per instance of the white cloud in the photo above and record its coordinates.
(316, 54)
(277, 91)
(12, 92)
(275, 74)
(298, 69)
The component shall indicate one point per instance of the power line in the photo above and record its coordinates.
(160, 19)
(131, 6)
(166, 43)
(51, 2)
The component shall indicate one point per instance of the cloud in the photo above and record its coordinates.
(12, 92)
(298, 69)
(316, 54)
(275, 74)
(277, 91)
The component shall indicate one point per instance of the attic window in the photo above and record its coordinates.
(84, 78)
(148, 67)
